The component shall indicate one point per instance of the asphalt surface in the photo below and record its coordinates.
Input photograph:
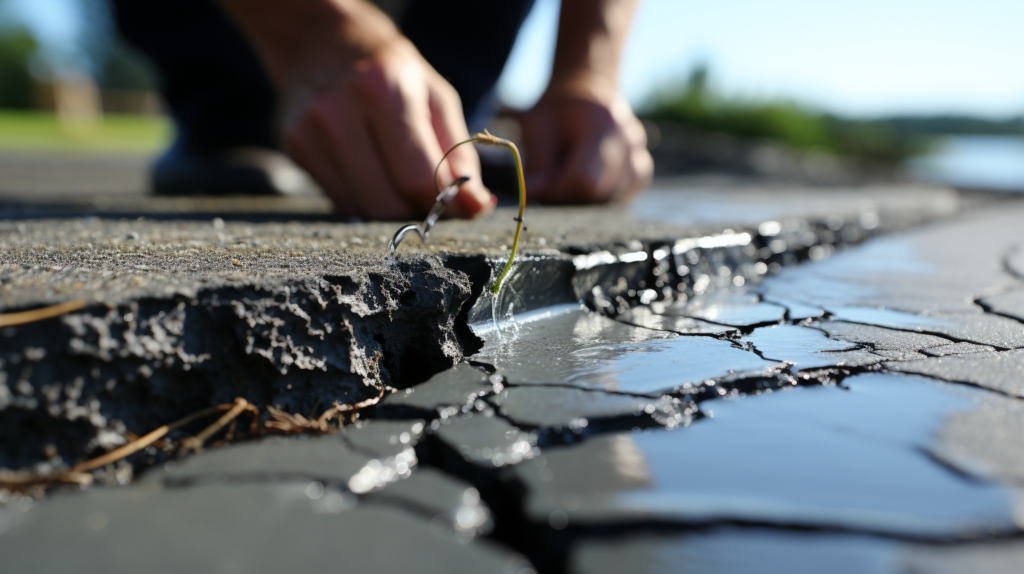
(718, 379)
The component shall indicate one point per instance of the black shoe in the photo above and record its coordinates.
(232, 171)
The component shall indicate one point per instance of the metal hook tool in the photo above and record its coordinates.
(443, 199)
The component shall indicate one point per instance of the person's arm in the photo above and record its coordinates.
(362, 110)
(582, 141)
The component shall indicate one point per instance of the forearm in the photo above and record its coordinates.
(290, 37)
(591, 36)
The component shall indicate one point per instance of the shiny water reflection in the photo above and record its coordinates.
(589, 350)
(855, 458)
(806, 348)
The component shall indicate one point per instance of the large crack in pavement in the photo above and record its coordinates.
(81, 381)
(558, 539)
(510, 423)
(172, 331)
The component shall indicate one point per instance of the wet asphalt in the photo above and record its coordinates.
(719, 380)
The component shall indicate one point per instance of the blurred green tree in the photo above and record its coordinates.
(696, 105)
(17, 47)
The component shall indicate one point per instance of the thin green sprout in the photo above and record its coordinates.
(487, 139)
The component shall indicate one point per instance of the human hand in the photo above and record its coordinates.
(583, 144)
(362, 111)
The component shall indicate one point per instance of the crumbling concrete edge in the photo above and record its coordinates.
(75, 385)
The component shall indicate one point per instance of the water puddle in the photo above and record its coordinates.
(818, 456)
(735, 309)
(494, 328)
(648, 317)
(806, 348)
(589, 350)
(846, 278)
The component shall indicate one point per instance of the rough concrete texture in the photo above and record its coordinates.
(183, 339)
(1002, 372)
(181, 315)
(700, 411)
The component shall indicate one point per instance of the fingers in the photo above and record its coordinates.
(642, 167)
(314, 159)
(414, 116)
(595, 171)
(639, 162)
(340, 153)
(607, 157)
(396, 111)
(447, 119)
(373, 143)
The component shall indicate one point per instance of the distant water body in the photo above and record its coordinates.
(991, 162)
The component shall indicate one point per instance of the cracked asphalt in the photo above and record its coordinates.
(813, 385)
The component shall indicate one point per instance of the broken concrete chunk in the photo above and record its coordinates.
(297, 343)
(888, 355)
(325, 458)
(246, 527)
(1002, 372)
(817, 456)
(383, 437)
(1009, 304)
(956, 349)
(452, 505)
(487, 440)
(458, 386)
(880, 282)
(879, 338)
(360, 459)
(985, 440)
(582, 411)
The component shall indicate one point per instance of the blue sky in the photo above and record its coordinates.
(856, 57)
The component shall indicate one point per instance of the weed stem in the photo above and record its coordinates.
(486, 138)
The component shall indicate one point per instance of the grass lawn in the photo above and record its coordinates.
(43, 132)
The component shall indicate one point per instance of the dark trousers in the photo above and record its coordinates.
(220, 97)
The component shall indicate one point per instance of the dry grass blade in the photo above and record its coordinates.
(197, 442)
(24, 317)
(76, 474)
(295, 423)
(280, 422)
(144, 441)
(18, 481)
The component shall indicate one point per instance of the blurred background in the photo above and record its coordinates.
(831, 92)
